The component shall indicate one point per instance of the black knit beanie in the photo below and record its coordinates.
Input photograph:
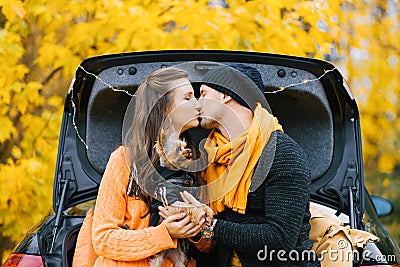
(241, 82)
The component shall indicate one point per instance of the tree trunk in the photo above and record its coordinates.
(5, 244)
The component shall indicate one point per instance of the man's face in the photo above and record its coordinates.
(212, 107)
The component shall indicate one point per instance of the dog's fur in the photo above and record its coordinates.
(174, 155)
(172, 150)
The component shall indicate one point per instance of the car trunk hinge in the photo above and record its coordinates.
(352, 187)
(65, 177)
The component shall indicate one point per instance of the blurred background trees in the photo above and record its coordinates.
(43, 41)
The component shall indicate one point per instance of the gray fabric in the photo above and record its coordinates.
(105, 116)
(303, 110)
(305, 118)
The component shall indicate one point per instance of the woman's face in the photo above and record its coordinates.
(185, 110)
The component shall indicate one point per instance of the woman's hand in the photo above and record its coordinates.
(164, 211)
(180, 226)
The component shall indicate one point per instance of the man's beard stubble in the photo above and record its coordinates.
(207, 123)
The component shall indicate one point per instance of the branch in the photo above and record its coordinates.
(51, 75)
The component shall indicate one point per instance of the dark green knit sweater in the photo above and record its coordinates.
(276, 224)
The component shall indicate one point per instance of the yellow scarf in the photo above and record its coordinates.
(232, 163)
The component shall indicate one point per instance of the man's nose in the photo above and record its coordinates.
(198, 104)
(200, 100)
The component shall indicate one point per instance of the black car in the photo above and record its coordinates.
(310, 97)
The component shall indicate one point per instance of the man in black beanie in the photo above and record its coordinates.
(238, 81)
(240, 87)
(261, 203)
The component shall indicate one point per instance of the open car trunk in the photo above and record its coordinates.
(315, 108)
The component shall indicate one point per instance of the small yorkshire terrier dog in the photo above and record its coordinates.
(175, 155)
(172, 150)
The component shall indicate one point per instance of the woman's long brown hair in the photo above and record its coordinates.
(153, 101)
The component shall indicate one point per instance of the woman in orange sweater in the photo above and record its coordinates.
(122, 233)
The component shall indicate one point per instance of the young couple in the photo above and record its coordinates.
(256, 180)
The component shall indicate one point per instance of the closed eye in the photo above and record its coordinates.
(189, 96)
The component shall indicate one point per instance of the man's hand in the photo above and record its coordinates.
(206, 213)
(189, 198)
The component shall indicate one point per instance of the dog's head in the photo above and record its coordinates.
(172, 150)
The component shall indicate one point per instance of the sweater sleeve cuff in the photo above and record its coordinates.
(160, 236)
(218, 229)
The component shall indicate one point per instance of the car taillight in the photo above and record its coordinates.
(23, 260)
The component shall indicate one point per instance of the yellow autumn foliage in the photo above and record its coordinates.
(43, 41)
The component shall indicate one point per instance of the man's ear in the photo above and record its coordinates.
(226, 98)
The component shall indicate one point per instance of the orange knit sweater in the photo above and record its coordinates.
(114, 209)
